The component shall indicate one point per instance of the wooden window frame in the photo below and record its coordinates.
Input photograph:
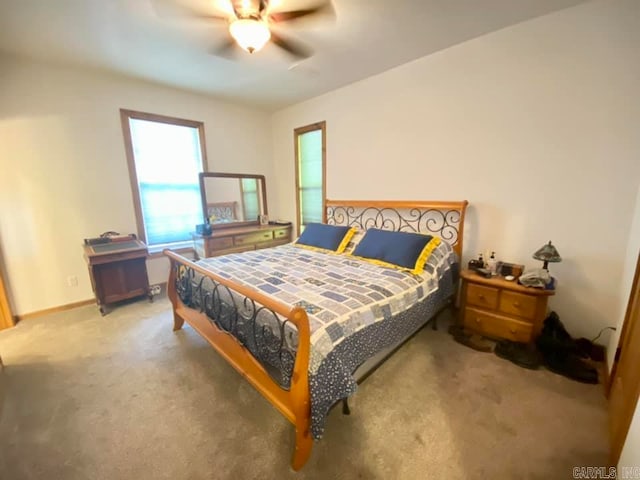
(322, 126)
(125, 115)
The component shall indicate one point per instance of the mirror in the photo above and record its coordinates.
(232, 199)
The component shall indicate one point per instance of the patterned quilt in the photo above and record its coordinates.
(355, 308)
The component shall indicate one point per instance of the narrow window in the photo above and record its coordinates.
(250, 199)
(310, 151)
(165, 156)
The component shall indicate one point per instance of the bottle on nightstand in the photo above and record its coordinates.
(492, 264)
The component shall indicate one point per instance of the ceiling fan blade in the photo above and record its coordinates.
(226, 49)
(247, 8)
(296, 49)
(323, 9)
(177, 9)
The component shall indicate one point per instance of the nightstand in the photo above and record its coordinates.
(498, 308)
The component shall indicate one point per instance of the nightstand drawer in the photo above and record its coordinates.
(253, 238)
(482, 296)
(220, 243)
(519, 304)
(497, 326)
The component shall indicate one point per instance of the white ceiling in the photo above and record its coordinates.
(367, 37)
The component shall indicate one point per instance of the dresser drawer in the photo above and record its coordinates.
(519, 304)
(281, 233)
(482, 296)
(219, 243)
(497, 326)
(256, 237)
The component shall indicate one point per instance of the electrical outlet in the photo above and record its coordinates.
(72, 281)
(155, 289)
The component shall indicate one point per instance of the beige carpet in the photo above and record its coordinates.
(124, 397)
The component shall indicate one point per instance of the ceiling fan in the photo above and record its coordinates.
(251, 22)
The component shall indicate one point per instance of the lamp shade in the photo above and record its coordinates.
(250, 34)
(547, 253)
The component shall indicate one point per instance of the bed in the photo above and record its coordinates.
(305, 326)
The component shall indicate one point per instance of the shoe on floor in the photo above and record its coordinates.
(470, 339)
(571, 366)
(522, 354)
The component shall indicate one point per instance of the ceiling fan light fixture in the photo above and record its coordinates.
(251, 34)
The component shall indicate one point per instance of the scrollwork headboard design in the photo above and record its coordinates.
(444, 219)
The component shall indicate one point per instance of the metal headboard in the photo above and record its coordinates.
(444, 219)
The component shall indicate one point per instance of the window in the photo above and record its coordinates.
(310, 151)
(250, 199)
(165, 156)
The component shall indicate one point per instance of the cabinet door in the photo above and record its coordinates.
(135, 272)
(110, 282)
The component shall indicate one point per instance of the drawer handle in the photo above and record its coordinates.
(266, 235)
(481, 296)
(477, 320)
(516, 304)
(513, 330)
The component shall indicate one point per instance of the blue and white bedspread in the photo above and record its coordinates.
(355, 308)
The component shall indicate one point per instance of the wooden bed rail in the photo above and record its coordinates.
(294, 403)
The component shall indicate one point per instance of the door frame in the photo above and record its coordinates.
(7, 320)
(632, 316)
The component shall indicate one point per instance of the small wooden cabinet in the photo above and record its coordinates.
(499, 308)
(118, 271)
(240, 239)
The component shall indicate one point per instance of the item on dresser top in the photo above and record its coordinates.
(513, 269)
(485, 272)
(492, 263)
(203, 229)
(537, 278)
(474, 264)
(547, 253)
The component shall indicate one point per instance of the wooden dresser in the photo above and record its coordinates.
(118, 271)
(240, 239)
(499, 308)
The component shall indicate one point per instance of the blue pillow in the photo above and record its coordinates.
(328, 237)
(399, 249)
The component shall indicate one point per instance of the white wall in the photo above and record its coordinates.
(631, 259)
(64, 172)
(536, 125)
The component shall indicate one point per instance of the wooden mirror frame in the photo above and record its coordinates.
(203, 195)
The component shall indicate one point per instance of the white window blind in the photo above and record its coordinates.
(167, 162)
(310, 176)
(250, 199)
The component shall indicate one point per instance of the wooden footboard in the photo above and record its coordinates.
(201, 298)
